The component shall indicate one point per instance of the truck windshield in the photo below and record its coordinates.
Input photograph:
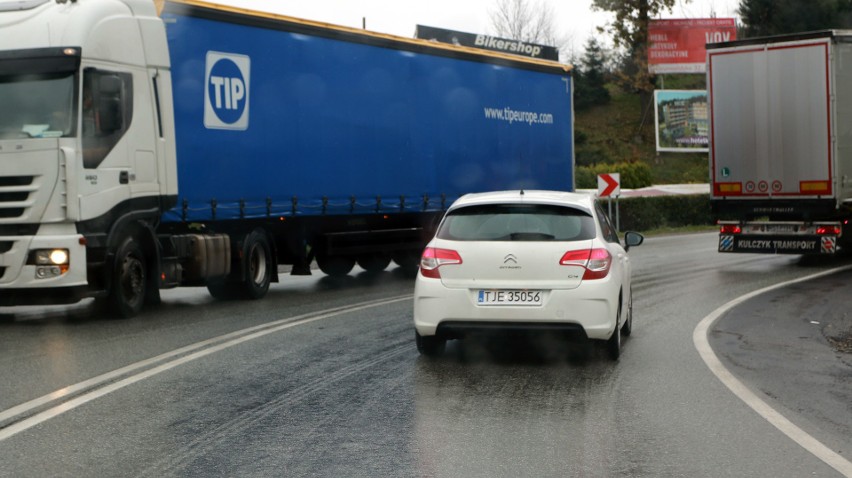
(37, 106)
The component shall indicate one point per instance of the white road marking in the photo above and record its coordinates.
(809, 443)
(171, 360)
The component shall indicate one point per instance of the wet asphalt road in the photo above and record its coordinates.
(347, 395)
(786, 344)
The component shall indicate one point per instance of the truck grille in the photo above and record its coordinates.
(13, 191)
(5, 246)
(6, 181)
(14, 197)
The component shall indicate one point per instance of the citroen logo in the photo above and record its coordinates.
(510, 258)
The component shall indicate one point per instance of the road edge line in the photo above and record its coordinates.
(738, 388)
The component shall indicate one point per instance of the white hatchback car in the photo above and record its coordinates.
(518, 260)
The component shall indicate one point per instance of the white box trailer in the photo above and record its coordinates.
(781, 142)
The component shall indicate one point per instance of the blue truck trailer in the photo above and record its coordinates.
(207, 145)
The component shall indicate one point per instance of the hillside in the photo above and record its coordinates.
(611, 134)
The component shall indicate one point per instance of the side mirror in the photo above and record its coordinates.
(632, 239)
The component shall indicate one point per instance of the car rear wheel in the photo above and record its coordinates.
(613, 344)
(430, 346)
(627, 328)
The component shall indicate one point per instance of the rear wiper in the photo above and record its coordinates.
(531, 236)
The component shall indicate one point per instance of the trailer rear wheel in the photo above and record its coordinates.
(335, 266)
(129, 279)
(408, 260)
(374, 263)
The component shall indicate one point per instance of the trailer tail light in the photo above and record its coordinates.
(828, 230)
(597, 262)
(433, 258)
(730, 229)
(814, 187)
(729, 188)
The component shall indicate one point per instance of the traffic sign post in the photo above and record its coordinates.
(609, 186)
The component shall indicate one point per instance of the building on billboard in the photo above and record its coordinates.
(487, 42)
(678, 45)
(682, 121)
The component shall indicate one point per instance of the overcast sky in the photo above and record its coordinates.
(574, 18)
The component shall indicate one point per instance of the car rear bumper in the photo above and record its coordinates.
(591, 308)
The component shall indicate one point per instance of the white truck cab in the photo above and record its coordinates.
(86, 148)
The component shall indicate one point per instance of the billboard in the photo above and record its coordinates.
(677, 46)
(487, 42)
(682, 121)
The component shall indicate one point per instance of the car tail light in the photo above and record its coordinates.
(433, 258)
(596, 262)
(730, 229)
(828, 230)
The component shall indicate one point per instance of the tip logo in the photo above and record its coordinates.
(226, 98)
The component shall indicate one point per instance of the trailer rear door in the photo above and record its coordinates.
(771, 120)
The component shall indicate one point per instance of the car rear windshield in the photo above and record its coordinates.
(517, 222)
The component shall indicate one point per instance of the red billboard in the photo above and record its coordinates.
(677, 46)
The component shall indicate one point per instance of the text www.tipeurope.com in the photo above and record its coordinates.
(512, 116)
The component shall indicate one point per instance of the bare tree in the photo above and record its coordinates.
(528, 21)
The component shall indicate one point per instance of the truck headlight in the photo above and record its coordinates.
(49, 262)
(56, 257)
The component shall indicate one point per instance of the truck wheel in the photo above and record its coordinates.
(335, 266)
(258, 256)
(129, 279)
(374, 263)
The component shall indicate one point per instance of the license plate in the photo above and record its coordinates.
(509, 297)
(773, 229)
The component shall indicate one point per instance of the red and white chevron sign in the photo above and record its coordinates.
(609, 185)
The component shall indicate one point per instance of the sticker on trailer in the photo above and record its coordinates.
(777, 186)
(726, 243)
(226, 93)
(829, 245)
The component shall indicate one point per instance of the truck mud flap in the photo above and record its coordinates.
(778, 244)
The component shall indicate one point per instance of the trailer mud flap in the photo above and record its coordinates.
(778, 244)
